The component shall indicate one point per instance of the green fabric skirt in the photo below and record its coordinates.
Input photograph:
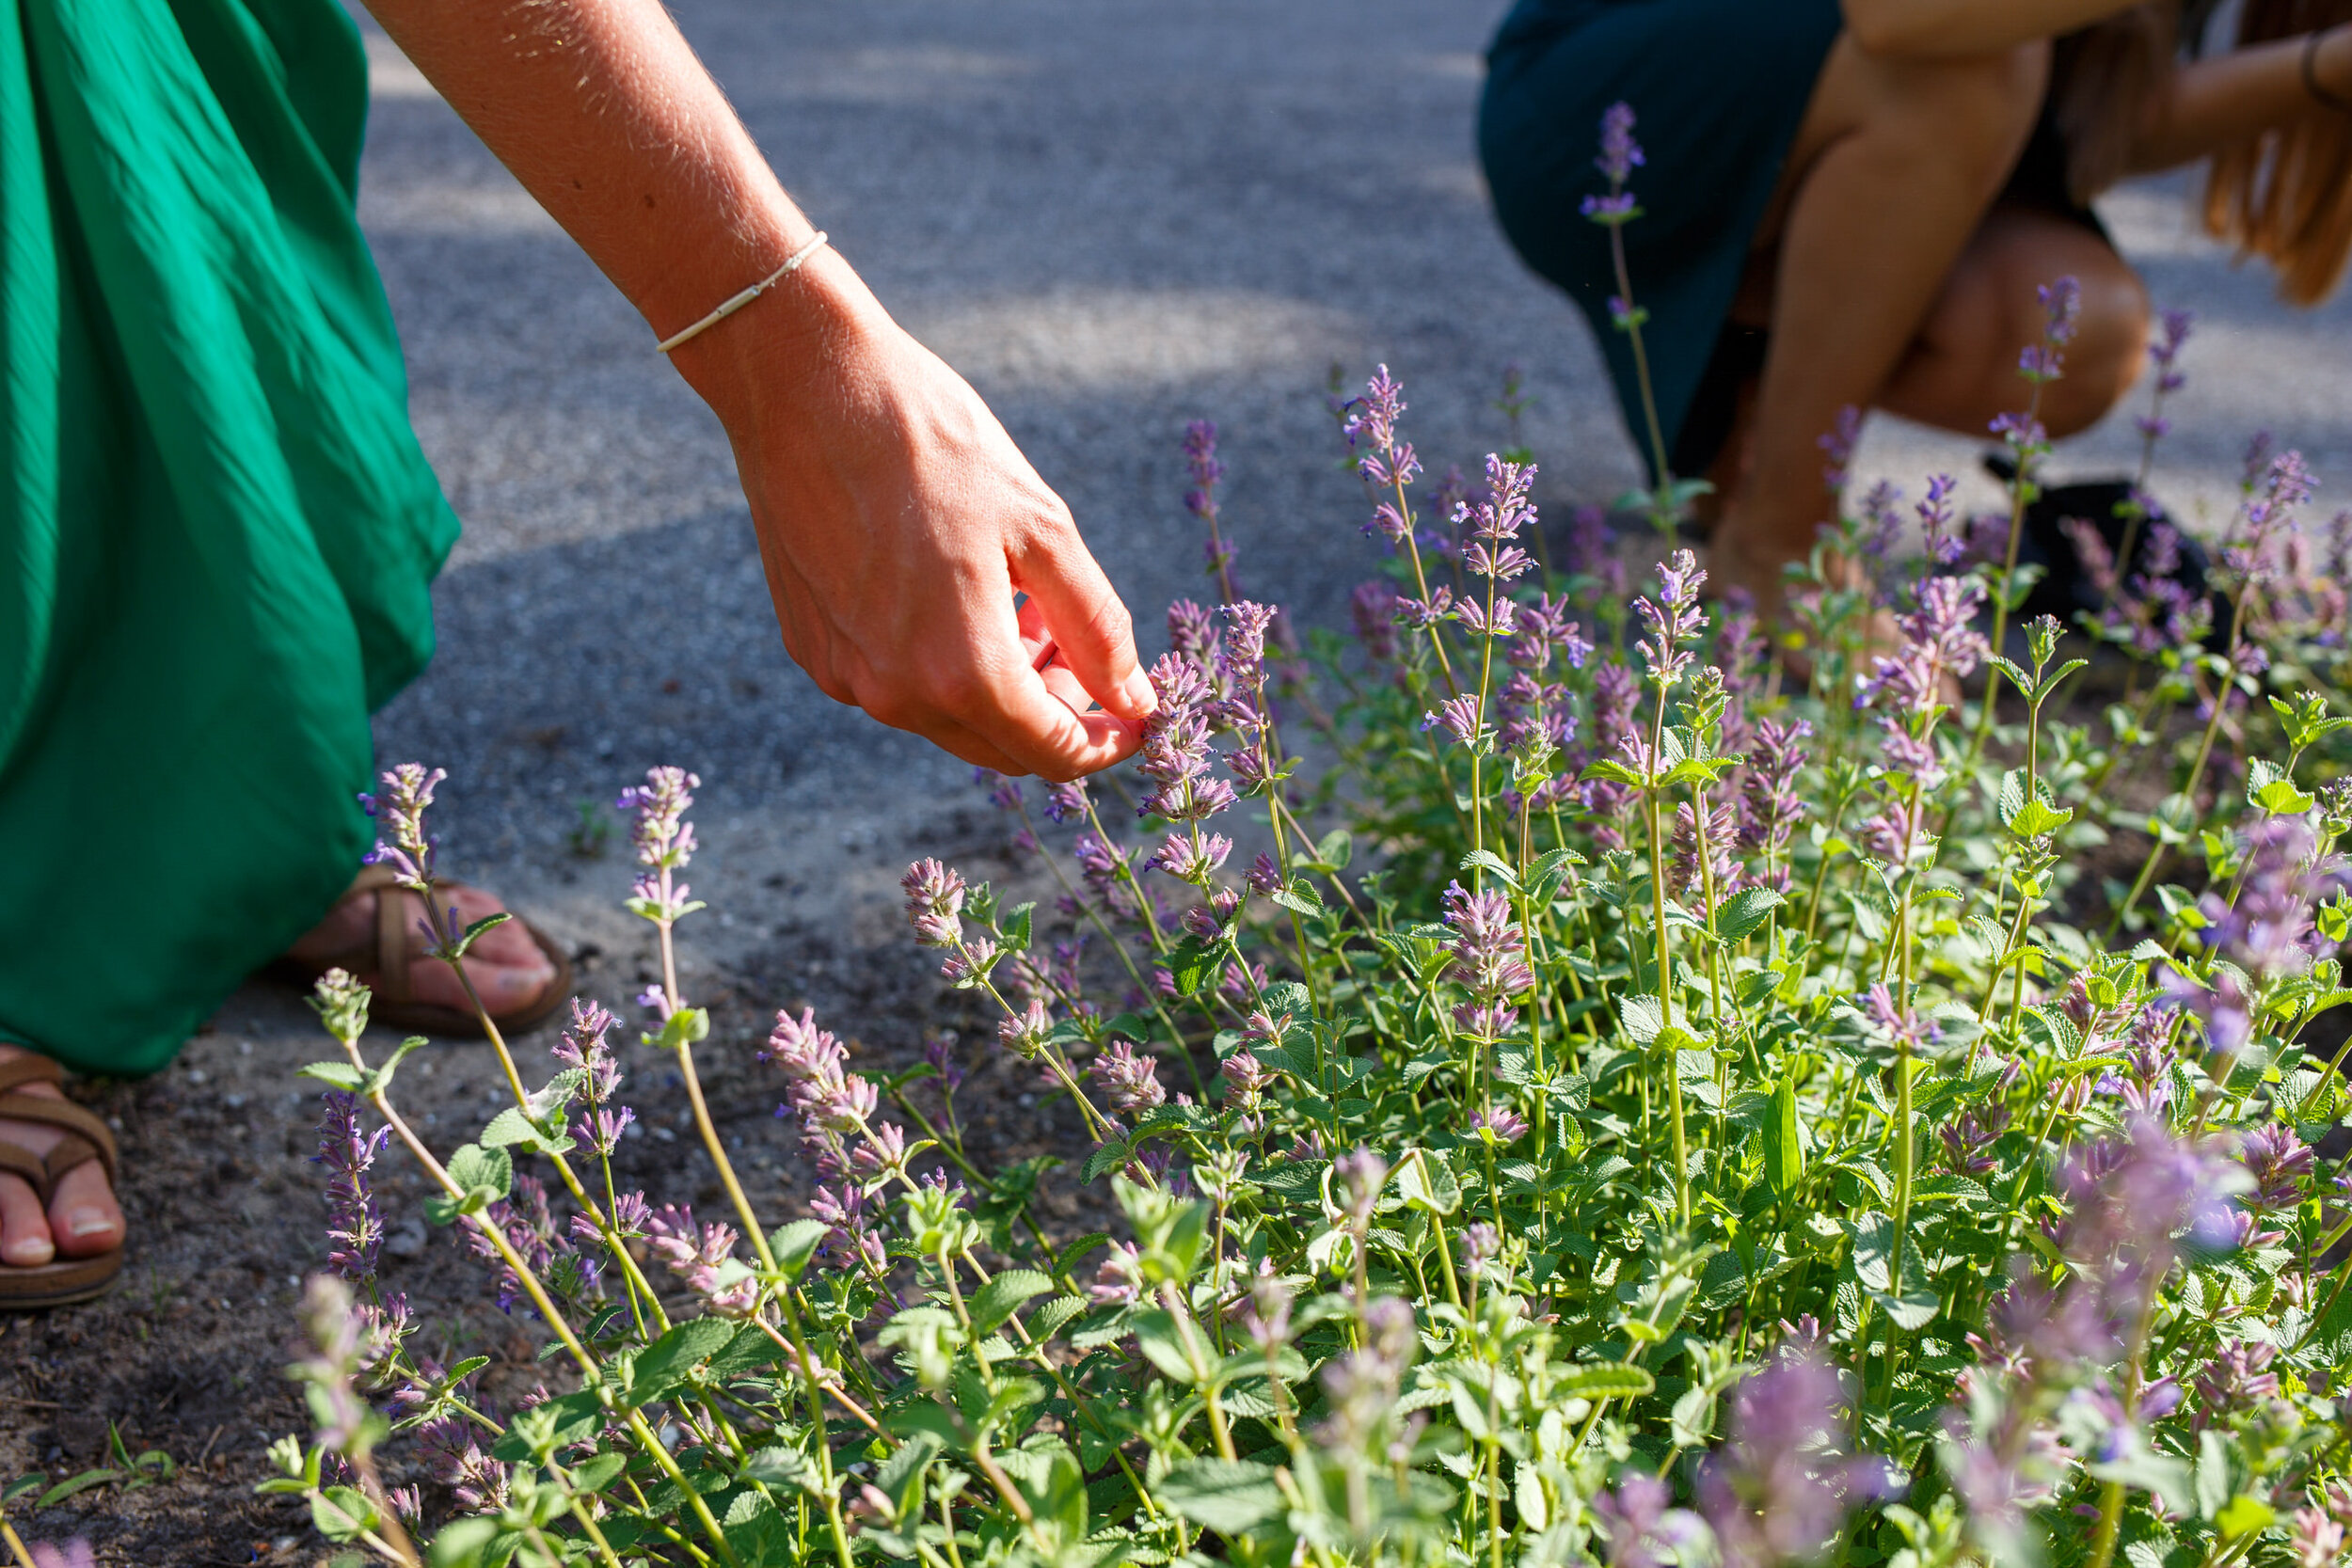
(217, 532)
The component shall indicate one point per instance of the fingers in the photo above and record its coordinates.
(1091, 625)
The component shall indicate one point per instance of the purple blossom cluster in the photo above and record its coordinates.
(1779, 1487)
(1386, 462)
(1490, 960)
(399, 809)
(1175, 753)
(584, 1046)
(1673, 619)
(355, 1224)
(1770, 805)
(663, 840)
(699, 1257)
(2127, 1199)
(836, 1110)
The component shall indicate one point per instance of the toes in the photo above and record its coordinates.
(82, 1216)
(25, 1241)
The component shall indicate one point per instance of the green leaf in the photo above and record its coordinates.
(1913, 1310)
(463, 1543)
(340, 1514)
(1745, 911)
(511, 1127)
(1642, 1019)
(1607, 1380)
(1425, 1184)
(778, 1466)
(2242, 1515)
(1079, 1249)
(381, 1079)
(1784, 1151)
(2148, 1472)
(2281, 799)
(342, 1075)
(1106, 1158)
(1003, 1297)
(77, 1485)
(1232, 1498)
(1191, 963)
(483, 1175)
(1056, 1315)
(1299, 897)
(1487, 861)
(2035, 818)
(592, 1475)
(795, 1242)
(900, 1472)
(665, 1365)
(1334, 848)
(557, 1424)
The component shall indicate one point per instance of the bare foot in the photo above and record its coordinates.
(505, 965)
(82, 1219)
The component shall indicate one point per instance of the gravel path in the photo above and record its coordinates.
(1112, 218)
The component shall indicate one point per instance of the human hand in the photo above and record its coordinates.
(897, 522)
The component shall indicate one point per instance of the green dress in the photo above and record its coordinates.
(217, 535)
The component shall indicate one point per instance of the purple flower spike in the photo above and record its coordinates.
(1200, 459)
(1386, 462)
(398, 807)
(1130, 1081)
(1486, 946)
(1502, 1125)
(1779, 1489)
(1837, 447)
(1620, 155)
(934, 903)
(1673, 619)
(663, 839)
(1458, 716)
(355, 1224)
(1643, 1530)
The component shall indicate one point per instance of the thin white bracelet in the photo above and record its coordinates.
(791, 266)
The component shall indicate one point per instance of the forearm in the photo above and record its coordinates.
(602, 112)
(2213, 103)
(1931, 29)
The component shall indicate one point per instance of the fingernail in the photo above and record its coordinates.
(1140, 696)
(88, 1222)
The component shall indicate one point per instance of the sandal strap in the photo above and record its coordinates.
(29, 1068)
(383, 957)
(22, 1163)
(67, 1117)
(72, 1152)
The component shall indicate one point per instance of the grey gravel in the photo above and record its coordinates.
(1112, 218)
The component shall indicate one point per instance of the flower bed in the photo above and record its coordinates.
(1639, 1106)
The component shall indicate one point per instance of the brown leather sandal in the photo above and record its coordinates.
(27, 1288)
(383, 965)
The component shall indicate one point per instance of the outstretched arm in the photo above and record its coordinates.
(2229, 98)
(895, 518)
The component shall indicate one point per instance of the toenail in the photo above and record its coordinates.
(31, 1251)
(88, 1222)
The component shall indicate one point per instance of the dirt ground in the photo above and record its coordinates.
(227, 1216)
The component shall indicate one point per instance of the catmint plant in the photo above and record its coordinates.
(1560, 1092)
